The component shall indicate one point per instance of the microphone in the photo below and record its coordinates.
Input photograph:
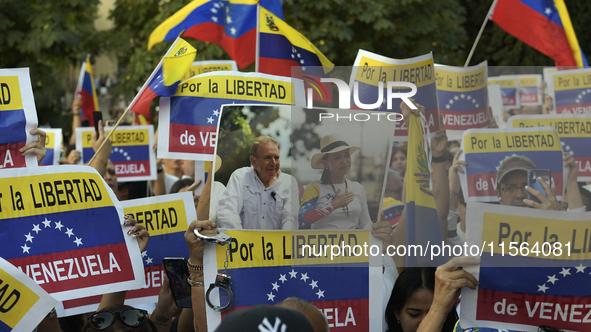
(273, 194)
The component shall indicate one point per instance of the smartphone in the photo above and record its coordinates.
(532, 181)
(178, 273)
(97, 116)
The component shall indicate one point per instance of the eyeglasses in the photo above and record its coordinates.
(512, 190)
(130, 317)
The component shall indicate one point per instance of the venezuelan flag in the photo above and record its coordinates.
(165, 78)
(542, 24)
(422, 222)
(87, 92)
(229, 24)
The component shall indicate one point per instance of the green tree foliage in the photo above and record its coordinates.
(47, 37)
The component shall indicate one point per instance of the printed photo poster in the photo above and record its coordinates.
(202, 67)
(570, 90)
(370, 69)
(188, 120)
(61, 226)
(132, 152)
(267, 267)
(495, 101)
(53, 146)
(23, 303)
(463, 98)
(166, 218)
(485, 149)
(18, 116)
(509, 90)
(574, 132)
(530, 90)
(534, 269)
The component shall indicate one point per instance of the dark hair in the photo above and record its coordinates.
(179, 184)
(411, 280)
(325, 178)
(118, 324)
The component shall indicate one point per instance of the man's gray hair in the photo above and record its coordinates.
(261, 140)
(312, 313)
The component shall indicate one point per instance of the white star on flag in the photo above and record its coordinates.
(292, 56)
(271, 297)
(304, 68)
(293, 274)
(305, 276)
(228, 19)
(210, 120)
(548, 11)
(451, 101)
(29, 238)
(47, 223)
(580, 268)
(542, 288)
(302, 61)
(149, 260)
(320, 293)
(78, 241)
(275, 286)
(213, 10)
(58, 225)
(463, 96)
(233, 31)
(565, 272)
(216, 113)
(552, 279)
(448, 106)
(144, 253)
(469, 97)
(36, 229)
(215, 19)
(282, 278)
(562, 143)
(314, 284)
(456, 97)
(26, 249)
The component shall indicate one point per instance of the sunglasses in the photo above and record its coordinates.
(545, 328)
(130, 317)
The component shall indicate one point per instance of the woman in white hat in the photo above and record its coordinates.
(334, 202)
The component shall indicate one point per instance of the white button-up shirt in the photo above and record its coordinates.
(247, 204)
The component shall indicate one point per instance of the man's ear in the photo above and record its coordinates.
(252, 161)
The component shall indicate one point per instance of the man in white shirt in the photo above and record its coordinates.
(260, 196)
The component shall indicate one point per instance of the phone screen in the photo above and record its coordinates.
(532, 181)
(97, 116)
(177, 272)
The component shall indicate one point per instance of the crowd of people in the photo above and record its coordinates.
(263, 197)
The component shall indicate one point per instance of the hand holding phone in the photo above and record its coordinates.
(178, 273)
(532, 181)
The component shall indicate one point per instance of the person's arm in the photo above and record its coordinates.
(205, 198)
(100, 162)
(76, 120)
(159, 184)
(440, 179)
(572, 187)
(449, 280)
(38, 147)
(166, 309)
(196, 250)
(454, 180)
(231, 202)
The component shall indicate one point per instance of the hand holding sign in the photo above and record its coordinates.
(37, 148)
(196, 247)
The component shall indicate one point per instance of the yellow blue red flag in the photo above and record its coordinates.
(86, 90)
(422, 223)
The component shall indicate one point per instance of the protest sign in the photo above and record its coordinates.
(166, 218)
(530, 90)
(17, 117)
(132, 152)
(485, 149)
(370, 69)
(53, 146)
(463, 98)
(574, 132)
(509, 90)
(570, 90)
(62, 227)
(23, 304)
(495, 101)
(202, 67)
(533, 269)
(188, 120)
(266, 267)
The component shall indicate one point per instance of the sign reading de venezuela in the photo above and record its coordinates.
(188, 120)
(485, 150)
(463, 98)
(166, 218)
(268, 266)
(574, 132)
(17, 117)
(62, 228)
(132, 152)
(534, 269)
(370, 69)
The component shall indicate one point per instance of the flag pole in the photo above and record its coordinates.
(488, 15)
(256, 66)
(133, 101)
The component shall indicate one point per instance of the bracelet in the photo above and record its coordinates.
(194, 267)
(455, 193)
(204, 202)
(440, 159)
(195, 274)
(194, 283)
